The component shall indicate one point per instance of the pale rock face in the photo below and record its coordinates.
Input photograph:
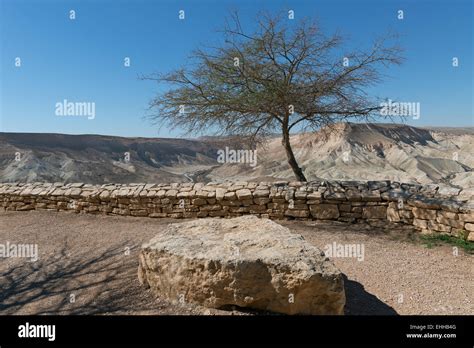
(374, 212)
(448, 191)
(427, 214)
(244, 194)
(392, 214)
(467, 217)
(245, 262)
(324, 211)
(220, 192)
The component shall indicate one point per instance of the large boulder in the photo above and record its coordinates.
(245, 262)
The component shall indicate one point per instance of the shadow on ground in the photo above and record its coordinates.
(72, 284)
(360, 302)
(106, 283)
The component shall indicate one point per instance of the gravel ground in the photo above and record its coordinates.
(88, 265)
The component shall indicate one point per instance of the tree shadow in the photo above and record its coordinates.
(84, 283)
(101, 282)
(360, 302)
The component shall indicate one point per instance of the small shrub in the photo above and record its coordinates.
(439, 239)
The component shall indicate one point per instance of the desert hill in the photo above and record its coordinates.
(99, 159)
(346, 151)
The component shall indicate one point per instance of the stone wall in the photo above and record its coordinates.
(429, 208)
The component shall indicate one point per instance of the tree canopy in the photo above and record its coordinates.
(281, 77)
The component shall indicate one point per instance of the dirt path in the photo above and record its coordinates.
(87, 265)
(397, 274)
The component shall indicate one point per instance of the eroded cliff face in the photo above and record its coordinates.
(344, 152)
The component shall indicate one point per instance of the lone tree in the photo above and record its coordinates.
(283, 75)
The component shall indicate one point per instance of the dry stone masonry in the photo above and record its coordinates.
(428, 208)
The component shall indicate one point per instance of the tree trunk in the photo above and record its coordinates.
(290, 155)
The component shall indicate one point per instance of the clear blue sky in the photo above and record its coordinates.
(82, 59)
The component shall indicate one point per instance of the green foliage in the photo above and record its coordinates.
(433, 240)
